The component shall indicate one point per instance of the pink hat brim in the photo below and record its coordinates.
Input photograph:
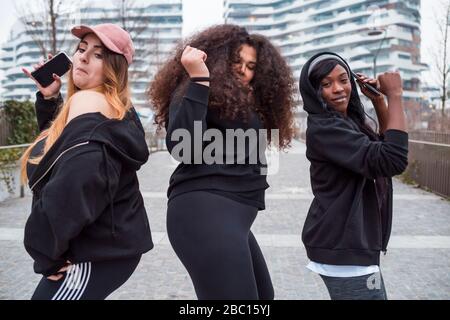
(82, 30)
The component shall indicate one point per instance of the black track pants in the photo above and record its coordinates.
(88, 280)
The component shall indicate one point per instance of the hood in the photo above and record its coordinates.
(311, 103)
(124, 138)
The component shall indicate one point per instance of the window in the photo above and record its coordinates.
(404, 56)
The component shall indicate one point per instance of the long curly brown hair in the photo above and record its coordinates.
(271, 91)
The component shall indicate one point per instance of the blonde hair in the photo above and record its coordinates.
(117, 93)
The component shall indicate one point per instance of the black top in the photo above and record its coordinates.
(349, 221)
(86, 200)
(244, 182)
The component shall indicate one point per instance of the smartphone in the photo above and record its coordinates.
(368, 86)
(59, 65)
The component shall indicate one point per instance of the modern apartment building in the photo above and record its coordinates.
(155, 25)
(387, 31)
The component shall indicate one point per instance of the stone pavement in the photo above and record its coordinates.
(417, 265)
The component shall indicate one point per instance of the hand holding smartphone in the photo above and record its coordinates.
(58, 65)
(47, 75)
(367, 86)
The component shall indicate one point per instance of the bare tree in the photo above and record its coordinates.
(132, 16)
(134, 19)
(441, 53)
(41, 21)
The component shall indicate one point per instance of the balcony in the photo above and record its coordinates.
(5, 65)
(8, 84)
(13, 71)
(9, 94)
(7, 54)
(28, 50)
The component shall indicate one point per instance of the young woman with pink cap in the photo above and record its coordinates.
(88, 226)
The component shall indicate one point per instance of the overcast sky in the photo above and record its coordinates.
(198, 14)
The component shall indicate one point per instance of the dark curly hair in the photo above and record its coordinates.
(271, 91)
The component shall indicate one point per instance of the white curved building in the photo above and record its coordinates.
(153, 41)
(302, 28)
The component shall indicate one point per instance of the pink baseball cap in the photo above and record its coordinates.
(112, 36)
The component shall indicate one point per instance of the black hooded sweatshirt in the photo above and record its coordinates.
(86, 200)
(349, 221)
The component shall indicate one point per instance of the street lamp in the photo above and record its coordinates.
(372, 33)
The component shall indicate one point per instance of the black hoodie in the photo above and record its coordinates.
(86, 200)
(349, 221)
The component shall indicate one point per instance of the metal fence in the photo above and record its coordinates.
(154, 141)
(429, 157)
(430, 136)
(7, 169)
(429, 160)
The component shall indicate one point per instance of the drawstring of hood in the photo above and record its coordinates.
(108, 184)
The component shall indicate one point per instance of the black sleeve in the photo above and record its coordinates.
(191, 111)
(73, 198)
(46, 110)
(137, 120)
(336, 141)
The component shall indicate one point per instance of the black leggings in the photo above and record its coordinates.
(88, 280)
(211, 236)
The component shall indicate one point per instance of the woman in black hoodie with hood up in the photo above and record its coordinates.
(349, 221)
(88, 226)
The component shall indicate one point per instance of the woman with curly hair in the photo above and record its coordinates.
(225, 79)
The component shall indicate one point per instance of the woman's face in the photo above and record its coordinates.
(88, 63)
(245, 67)
(337, 88)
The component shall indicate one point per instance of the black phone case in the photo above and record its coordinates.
(367, 86)
(59, 65)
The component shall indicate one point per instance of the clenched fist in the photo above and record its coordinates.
(391, 84)
(53, 89)
(193, 60)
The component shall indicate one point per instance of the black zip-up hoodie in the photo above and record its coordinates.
(349, 221)
(86, 200)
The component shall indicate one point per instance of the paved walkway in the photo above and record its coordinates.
(417, 265)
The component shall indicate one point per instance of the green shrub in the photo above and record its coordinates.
(24, 128)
